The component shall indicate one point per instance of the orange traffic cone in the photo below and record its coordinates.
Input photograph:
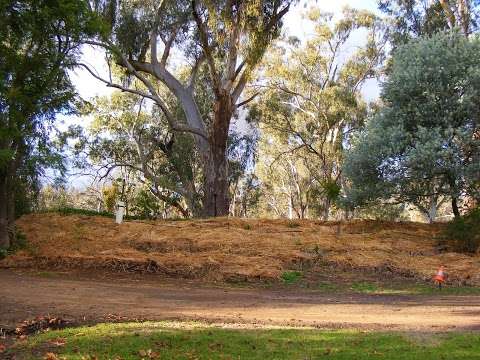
(440, 277)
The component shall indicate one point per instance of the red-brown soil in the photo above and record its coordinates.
(84, 299)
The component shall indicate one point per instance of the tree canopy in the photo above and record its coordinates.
(40, 41)
(423, 144)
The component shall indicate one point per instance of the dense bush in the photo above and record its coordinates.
(464, 231)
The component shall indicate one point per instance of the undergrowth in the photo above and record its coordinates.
(291, 277)
(464, 232)
(18, 243)
(65, 211)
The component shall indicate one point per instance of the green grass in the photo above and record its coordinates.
(167, 340)
(291, 277)
(365, 287)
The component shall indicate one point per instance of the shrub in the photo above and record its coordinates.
(291, 277)
(247, 226)
(65, 211)
(18, 243)
(292, 224)
(464, 231)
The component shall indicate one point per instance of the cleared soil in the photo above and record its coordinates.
(82, 299)
(240, 250)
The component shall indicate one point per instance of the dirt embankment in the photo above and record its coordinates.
(237, 249)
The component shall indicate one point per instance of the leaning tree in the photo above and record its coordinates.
(226, 37)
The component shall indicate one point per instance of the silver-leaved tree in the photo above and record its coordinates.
(424, 145)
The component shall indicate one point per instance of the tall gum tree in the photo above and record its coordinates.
(228, 37)
(312, 103)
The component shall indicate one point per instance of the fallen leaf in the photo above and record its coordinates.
(58, 342)
(51, 356)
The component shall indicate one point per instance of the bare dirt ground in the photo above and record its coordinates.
(83, 299)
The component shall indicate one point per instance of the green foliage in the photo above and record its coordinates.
(331, 189)
(110, 195)
(53, 198)
(409, 19)
(312, 104)
(125, 131)
(18, 242)
(291, 277)
(292, 224)
(247, 226)
(40, 41)
(412, 19)
(421, 145)
(66, 211)
(382, 211)
(465, 232)
(145, 205)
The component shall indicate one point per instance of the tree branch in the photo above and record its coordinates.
(203, 34)
(245, 102)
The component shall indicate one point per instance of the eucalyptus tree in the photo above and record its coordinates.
(288, 188)
(126, 132)
(410, 19)
(312, 101)
(424, 145)
(39, 41)
(228, 37)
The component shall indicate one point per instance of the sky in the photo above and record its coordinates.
(88, 87)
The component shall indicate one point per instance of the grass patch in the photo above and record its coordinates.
(291, 277)
(364, 287)
(411, 289)
(247, 226)
(292, 224)
(169, 340)
(327, 287)
(46, 274)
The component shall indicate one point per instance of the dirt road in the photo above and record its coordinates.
(24, 296)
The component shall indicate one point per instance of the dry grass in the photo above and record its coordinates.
(237, 249)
